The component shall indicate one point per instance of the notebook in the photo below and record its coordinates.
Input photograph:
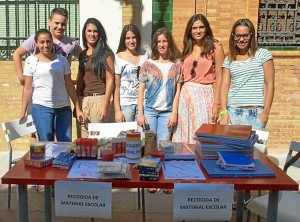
(238, 132)
(235, 161)
(215, 171)
(230, 141)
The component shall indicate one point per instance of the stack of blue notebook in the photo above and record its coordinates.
(231, 135)
(227, 151)
(213, 138)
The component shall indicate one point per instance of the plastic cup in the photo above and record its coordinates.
(107, 155)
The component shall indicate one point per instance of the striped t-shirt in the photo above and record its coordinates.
(247, 78)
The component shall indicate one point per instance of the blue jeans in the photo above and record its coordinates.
(241, 116)
(50, 121)
(157, 122)
(129, 112)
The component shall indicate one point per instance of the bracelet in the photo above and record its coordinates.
(223, 113)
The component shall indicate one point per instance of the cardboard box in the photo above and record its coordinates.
(150, 142)
(38, 163)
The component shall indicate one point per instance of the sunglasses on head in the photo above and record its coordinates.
(193, 72)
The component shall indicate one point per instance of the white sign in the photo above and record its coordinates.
(83, 199)
(202, 202)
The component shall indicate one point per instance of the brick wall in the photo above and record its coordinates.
(284, 122)
(221, 15)
(131, 12)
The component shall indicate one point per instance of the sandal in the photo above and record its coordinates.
(168, 191)
(152, 190)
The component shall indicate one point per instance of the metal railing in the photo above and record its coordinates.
(21, 18)
(279, 23)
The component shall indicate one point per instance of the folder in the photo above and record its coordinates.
(235, 161)
(215, 171)
(237, 132)
(230, 141)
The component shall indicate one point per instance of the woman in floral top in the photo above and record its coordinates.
(159, 87)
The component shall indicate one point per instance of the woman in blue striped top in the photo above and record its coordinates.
(250, 72)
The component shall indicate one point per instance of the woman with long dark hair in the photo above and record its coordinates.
(129, 59)
(95, 80)
(202, 58)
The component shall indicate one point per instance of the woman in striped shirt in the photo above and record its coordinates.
(250, 72)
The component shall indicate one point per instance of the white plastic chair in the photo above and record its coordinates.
(13, 130)
(100, 130)
(261, 144)
(289, 201)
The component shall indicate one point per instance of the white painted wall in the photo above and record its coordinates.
(146, 29)
(109, 13)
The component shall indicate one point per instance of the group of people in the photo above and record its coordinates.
(170, 93)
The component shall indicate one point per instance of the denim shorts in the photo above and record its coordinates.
(245, 116)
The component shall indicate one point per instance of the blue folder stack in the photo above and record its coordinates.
(212, 138)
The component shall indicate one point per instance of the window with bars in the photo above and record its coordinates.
(279, 23)
(22, 18)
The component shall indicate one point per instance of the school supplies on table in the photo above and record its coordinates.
(182, 170)
(176, 150)
(37, 151)
(149, 168)
(215, 171)
(114, 170)
(149, 163)
(237, 132)
(213, 138)
(64, 160)
(231, 141)
(40, 163)
(235, 161)
(209, 150)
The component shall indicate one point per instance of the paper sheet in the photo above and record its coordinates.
(85, 169)
(185, 170)
(53, 149)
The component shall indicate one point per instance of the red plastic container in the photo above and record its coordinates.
(107, 155)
